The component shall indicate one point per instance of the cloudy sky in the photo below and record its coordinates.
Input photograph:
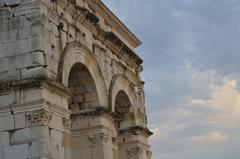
(191, 52)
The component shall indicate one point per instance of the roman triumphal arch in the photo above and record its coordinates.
(70, 84)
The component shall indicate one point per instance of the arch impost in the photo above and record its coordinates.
(100, 111)
(57, 88)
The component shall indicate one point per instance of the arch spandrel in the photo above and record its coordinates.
(78, 53)
(121, 83)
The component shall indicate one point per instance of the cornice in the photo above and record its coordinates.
(36, 82)
(126, 53)
(134, 130)
(114, 21)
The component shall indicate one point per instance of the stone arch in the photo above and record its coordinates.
(76, 52)
(121, 83)
(83, 88)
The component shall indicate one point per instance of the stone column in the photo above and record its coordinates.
(133, 143)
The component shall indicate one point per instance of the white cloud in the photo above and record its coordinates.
(211, 137)
(198, 102)
(225, 99)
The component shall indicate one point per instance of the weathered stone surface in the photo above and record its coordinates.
(70, 84)
(16, 151)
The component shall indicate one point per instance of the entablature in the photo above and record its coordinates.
(79, 15)
(113, 21)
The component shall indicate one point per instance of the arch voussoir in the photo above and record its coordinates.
(121, 83)
(78, 53)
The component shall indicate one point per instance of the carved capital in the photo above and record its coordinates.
(99, 138)
(134, 152)
(39, 117)
(67, 124)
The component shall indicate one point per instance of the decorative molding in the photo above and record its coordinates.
(13, 85)
(57, 88)
(39, 117)
(126, 53)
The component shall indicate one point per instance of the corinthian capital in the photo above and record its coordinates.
(39, 117)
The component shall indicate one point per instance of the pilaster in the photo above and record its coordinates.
(34, 120)
(94, 135)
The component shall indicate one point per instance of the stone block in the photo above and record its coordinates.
(78, 99)
(35, 44)
(90, 97)
(23, 60)
(7, 63)
(10, 75)
(24, 33)
(38, 58)
(7, 36)
(35, 72)
(6, 123)
(14, 48)
(42, 149)
(1, 152)
(35, 150)
(7, 99)
(61, 153)
(56, 124)
(30, 135)
(16, 152)
(4, 139)
(32, 95)
(10, 24)
(13, 2)
(20, 120)
(56, 137)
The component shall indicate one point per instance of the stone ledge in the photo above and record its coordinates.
(36, 82)
(135, 129)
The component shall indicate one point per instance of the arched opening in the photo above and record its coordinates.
(85, 97)
(122, 103)
(123, 110)
(84, 91)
